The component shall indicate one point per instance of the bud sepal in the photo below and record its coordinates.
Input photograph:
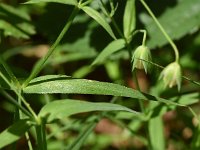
(171, 75)
(141, 58)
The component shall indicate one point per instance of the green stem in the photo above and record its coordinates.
(39, 66)
(14, 102)
(130, 54)
(41, 136)
(138, 87)
(76, 144)
(144, 36)
(44, 135)
(116, 27)
(8, 70)
(112, 20)
(162, 30)
(19, 95)
(19, 109)
(136, 80)
(161, 67)
(21, 116)
(29, 141)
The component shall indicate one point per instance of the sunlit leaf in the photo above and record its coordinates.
(69, 2)
(129, 18)
(65, 84)
(188, 99)
(96, 16)
(156, 133)
(64, 108)
(108, 50)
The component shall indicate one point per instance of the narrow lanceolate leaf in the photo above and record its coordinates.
(108, 50)
(129, 18)
(156, 134)
(65, 84)
(64, 108)
(13, 133)
(96, 16)
(69, 2)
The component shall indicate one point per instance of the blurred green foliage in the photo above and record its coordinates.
(28, 30)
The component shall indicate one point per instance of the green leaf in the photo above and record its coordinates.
(188, 99)
(114, 46)
(64, 108)
(69, 2)
(156, 133)
(13, 133)
(177, 21)
(129, 18)
(15, 22)
(65, 84)
(96, 16)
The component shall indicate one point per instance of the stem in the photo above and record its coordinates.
(29, 141)
(138, 87)
(19, 109)
(12, 100)
(41, 63)
(112, 20)
(116, 27)
(162, 30)
(135, 78)
(41, 136)
(8, 70)
(44, 135)
(76, 144)
(144, 36)
(161, 67)
(19, 95)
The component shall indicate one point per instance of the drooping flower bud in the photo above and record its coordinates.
(171, 75)
(140, 54)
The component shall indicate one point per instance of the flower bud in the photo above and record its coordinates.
(171, 75)
(140, 54)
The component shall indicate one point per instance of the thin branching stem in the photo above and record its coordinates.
(129, 49)
(162, 30)
(14, 102)
(29, 141)
(19, 95)
(41, 63)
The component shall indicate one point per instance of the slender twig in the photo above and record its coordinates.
(29, 141)
(162, 30)
(138, 87)
(16, 87)
(129, 48)
(17, 92)
(14, 102)
(112, 20)
(8, 70)
(161, 67)
(41, 63)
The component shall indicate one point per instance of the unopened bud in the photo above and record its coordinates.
(171, 75)
(140, 58)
